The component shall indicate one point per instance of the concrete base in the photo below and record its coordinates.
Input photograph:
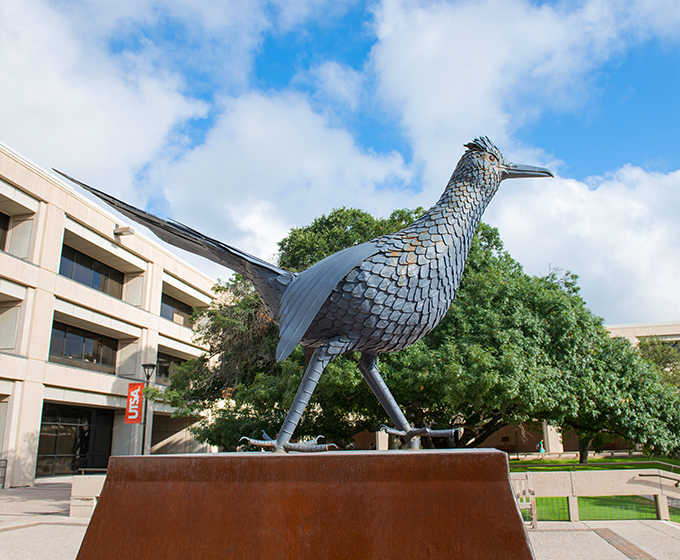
(85, 491)
(372, 504)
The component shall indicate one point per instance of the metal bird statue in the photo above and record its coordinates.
(372, 298)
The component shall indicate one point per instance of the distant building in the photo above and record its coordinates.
(635, 331)
(83, 304)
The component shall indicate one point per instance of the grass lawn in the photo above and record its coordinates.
(675, 513)
(541, 465)
(600, 507)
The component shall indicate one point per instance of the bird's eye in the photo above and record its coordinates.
(493, 158)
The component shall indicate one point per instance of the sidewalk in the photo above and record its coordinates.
(34, 522)
(607, 540)
(34, 525)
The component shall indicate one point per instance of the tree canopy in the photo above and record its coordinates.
(512, 348)
(342, 228)
(665, 355)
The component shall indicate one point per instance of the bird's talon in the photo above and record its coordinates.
(258, 442)
(392, 431)
(423, 432)
(307, 446)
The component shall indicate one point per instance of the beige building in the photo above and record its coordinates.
(83, 304)
(633, 332)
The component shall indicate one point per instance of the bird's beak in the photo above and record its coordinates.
(515, 171)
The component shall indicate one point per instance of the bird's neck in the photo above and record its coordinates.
(462, 205)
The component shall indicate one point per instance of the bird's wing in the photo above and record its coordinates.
(270, 281)
(307, 293)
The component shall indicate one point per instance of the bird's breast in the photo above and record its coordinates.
(390, 300)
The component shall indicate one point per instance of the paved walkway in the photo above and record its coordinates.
(34, 525)
(34, 522)
(607, 540)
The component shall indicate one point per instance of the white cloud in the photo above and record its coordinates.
(448, 71)
(453, 71)
(337, 83)
(271, 163)
(620, 233)
(293, 12)
(67, 105)
(72, 103)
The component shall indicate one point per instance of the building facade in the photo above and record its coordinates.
(669, 332)
(84, 303)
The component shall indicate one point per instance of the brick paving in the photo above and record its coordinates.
(623, 545)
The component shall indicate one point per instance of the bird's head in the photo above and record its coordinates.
(484, 164)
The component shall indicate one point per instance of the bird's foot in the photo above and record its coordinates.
(422, 432)
(307, 446)
(310, 446)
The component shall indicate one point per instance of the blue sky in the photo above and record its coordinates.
(630, 117)
(244, 118)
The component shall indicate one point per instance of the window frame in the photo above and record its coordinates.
(4, 229)
(75, 437)
(105, 348)
(88, 271)
(178, 309)
(171, 361)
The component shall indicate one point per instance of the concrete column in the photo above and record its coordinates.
(572, 504)
(3, 424)
(24, 413)
(149, 428)
(661, 503)
(154, 288)
(382, 440)
(552, 439)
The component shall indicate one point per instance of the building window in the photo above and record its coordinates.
(166, 366)
(72, 438)
(175, 310)
(90, 272)
(4, 228)
(79, 348)
(9, 318)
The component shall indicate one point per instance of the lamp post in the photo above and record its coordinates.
(148, 372)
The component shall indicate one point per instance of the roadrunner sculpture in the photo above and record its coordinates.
(376, 297)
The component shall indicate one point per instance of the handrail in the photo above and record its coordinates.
(676, 480)
(574, 465)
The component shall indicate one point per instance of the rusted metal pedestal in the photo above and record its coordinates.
(354, 505)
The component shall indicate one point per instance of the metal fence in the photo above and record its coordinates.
(616, 507)
(674, 509)
(602, 508)
(549, 509)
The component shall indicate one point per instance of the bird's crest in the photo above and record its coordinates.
(483, 144)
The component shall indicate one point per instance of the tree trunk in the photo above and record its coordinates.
(583, 446)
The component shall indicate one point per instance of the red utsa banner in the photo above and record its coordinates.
(133, 410)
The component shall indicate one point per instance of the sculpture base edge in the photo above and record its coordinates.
(374, 505)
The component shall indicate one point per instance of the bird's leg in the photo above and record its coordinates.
(321, 357)
(368, 366)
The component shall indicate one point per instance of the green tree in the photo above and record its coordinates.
(665, 355)
(342, 228)
(240, 341)
(611, 392)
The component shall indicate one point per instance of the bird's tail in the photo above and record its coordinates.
(270, 281)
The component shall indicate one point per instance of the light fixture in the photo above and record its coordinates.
(123, 230)
(148, 370)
